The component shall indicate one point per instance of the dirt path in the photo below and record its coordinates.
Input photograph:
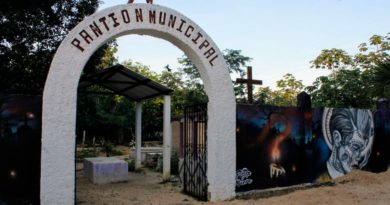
(142, 188)
(145, 189)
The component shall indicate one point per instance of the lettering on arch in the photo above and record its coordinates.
(152, 16)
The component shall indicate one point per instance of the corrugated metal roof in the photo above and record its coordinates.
(123, 81)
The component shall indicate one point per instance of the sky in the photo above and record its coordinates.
(281, 36)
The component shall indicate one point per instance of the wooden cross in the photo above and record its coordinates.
(249, 82)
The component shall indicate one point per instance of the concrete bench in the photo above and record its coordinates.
(103, 170)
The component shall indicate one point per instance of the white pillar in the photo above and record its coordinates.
(138, 134)
(167, 139)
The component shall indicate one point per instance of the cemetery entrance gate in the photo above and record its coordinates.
(195, 151)
(60, 94)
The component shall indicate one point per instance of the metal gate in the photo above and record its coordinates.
(195, 151)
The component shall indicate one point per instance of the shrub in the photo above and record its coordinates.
(87, 153)
(175, 163)
(115, 152)
(131, 164)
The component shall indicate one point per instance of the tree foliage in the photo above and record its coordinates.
(374, 53)
(30, 33)
(100, 115)
(285, 93)
(111, 117)
(356, 80)
(370, 54)
(234, 59)
(264, 96)
(235, 62)
(102, 58)
(287, 90)
(332, 58)
(343, 88)
(381, 80)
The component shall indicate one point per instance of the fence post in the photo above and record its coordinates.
(304, 101)
(382, 136)
(304, 106)
(382, 104)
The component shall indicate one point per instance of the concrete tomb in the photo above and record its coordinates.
(103, 170)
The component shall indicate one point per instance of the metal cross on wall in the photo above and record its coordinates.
(249, 82)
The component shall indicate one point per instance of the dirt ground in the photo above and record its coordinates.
(145, 188)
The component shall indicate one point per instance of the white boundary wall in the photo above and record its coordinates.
(60, 94)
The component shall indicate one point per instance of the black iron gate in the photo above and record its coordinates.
(195, 151)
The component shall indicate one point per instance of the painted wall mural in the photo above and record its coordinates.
(349, 133)
(20, 148)
(283, 146)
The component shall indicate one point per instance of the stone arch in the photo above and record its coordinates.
(60, 93)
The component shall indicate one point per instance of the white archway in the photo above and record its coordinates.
(60, 93)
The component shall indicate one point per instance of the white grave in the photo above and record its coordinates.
(103, 170)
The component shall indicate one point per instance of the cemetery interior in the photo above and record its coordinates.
(129, 135)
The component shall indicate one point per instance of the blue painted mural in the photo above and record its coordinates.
(283, 146)
(20, 149)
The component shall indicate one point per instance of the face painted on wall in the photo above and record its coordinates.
(349, 134)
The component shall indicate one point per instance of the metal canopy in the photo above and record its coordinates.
(123, 81)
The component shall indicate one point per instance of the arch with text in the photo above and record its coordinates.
(60, 93)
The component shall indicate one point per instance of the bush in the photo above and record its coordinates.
(131, 164)
(87, 153)
(115, 152)
(175, 163)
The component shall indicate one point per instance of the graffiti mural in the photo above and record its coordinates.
(20, 148)
(283, 146)
(280, 146)
(349, 133)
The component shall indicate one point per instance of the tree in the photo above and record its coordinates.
(343, 88)
(172, 79)
(332, 59)
(285, 94)
(112, 116)
(94, 112)
(287, 90)
(381, 80)
(264, 96)
(356, 80)
(181, 95)
(102, 58)
(370, 54)
(235, 61)
(184, 93)
(141, 69)
(30, 33)
(373, 54)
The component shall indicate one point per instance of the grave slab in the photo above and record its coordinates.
(103, 170)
